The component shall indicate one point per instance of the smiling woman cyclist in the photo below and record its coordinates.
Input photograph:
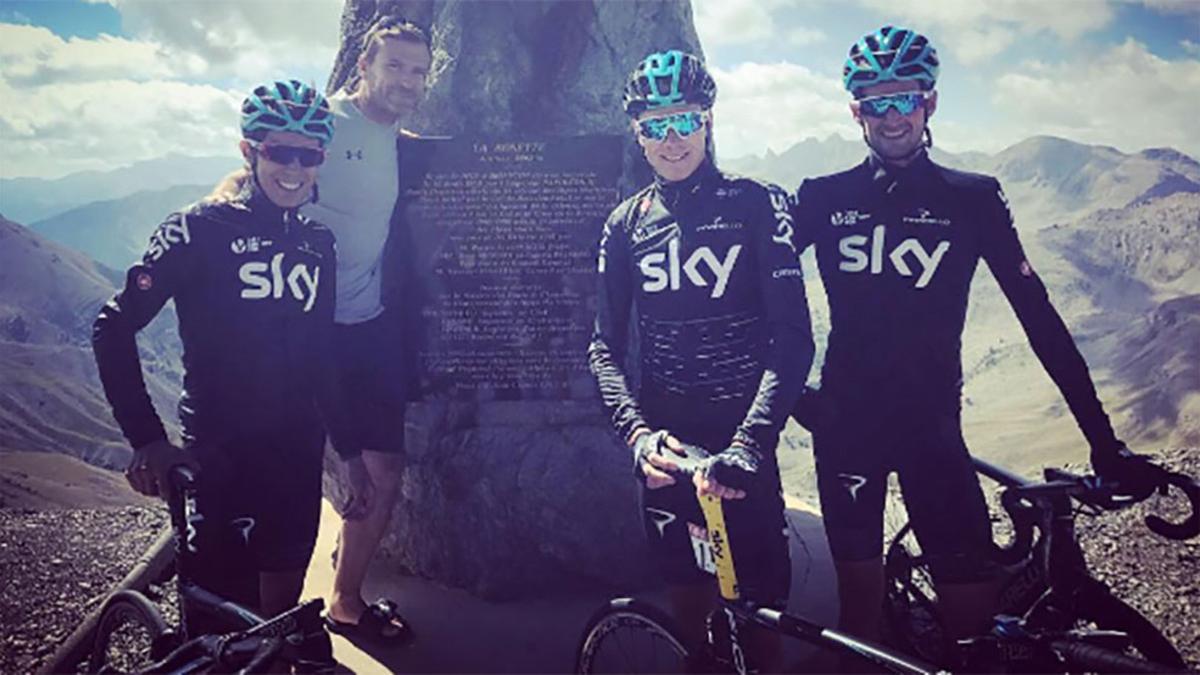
(704, 263)
(253, 287)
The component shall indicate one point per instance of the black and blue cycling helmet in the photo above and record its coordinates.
(890, 54)
(287, 105)
(668, 78)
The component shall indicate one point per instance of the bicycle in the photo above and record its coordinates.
(629, 635)
(131, 626)
(1054, 616)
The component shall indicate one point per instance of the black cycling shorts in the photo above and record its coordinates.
(257, 509)
(941, 492)
(757, 529)
(371, 380)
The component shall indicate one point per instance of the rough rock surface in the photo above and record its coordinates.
(506, 499)
(58, 565)
(503, 499)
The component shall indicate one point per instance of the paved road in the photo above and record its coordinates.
(458, 633)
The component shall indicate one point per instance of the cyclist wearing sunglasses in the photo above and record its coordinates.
(703, 262)
(358, 191)
(898, 239)
(252, 282)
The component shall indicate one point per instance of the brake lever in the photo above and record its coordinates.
(1190, 526)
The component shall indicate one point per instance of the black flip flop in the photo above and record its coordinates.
(380, 623)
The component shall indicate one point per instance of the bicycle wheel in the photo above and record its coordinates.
(631, 636)
(910, 601)
(126, 635)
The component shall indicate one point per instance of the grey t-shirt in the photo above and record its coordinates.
(357, 188)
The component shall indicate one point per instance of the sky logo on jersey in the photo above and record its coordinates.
(660, 278)
(269, 281)
(167, 236)
(856, 259)
(783, 219)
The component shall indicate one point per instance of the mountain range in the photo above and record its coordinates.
(1115, 237)
(28, 200)
(50, 394)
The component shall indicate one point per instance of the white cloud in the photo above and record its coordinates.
(973, 32)
(740, 22)
(1174, 6)
(34, 55)
(1127, 97)
(1190, 47)
(775, 106)
(249, 40)
(54, 129)
(803, 36)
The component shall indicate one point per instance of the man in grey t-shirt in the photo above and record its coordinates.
(358, 190)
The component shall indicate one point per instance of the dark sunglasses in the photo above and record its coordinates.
(905, 104)
(286, 154)
(685, 124)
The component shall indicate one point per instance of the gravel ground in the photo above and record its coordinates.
(1158, 577)
(57, 566)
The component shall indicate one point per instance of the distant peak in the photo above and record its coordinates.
(1166, 155)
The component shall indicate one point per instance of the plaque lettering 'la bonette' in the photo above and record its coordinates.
(503, 235)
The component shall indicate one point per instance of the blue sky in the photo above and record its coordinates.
(96, 84)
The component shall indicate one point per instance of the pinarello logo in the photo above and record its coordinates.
(144, 281)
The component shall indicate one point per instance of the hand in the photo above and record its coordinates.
(362, 490)
(1136, 475)
(655, 466)
(736, 464)
(150, 465)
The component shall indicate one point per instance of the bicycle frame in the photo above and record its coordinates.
(302, 620)
(736, 610)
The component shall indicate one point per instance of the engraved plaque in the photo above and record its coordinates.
(504, 235)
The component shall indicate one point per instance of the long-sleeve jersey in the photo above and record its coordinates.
(253, 286)
(708, 270)
(897, 250)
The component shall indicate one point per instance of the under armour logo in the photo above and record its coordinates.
(852, 482)
(661, 519)
(354, 154)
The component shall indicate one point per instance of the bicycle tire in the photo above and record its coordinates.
(123, 610)
(648, 632)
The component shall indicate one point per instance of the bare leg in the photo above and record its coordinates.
(967, 609)
(359, 538)
(690, 605)
(279, 591)
(860, 602)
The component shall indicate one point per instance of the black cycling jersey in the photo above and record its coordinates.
(708, 267)
(254, 289)
(897, 249)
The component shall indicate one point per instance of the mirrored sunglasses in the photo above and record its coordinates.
(685, 124)
(286, 154)
(905, 104)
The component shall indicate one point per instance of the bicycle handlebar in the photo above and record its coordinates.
(1092, 490)
(1190, 526)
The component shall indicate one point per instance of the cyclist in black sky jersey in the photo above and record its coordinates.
(704, 263)
(897, 241)
(253, 287)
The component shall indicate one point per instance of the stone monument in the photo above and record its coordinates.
(515, 482)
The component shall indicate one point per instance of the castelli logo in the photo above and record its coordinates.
(144, 281)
